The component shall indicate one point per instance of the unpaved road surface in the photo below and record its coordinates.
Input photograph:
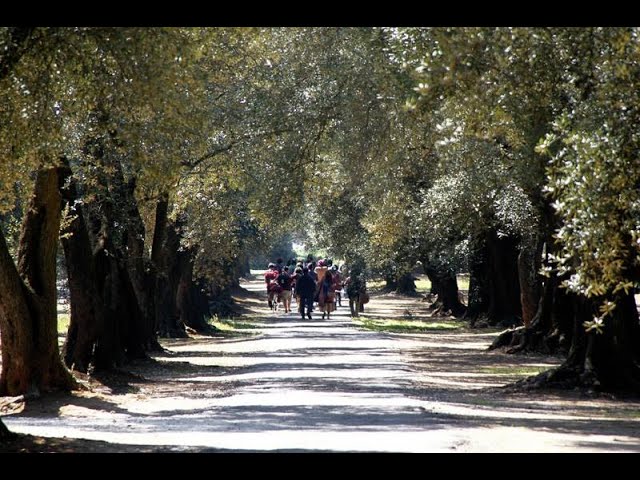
(288, 384)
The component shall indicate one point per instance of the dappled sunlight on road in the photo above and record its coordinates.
(326, 385)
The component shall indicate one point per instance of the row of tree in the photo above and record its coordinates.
(167, 156)
(510, 153)
(160, 155)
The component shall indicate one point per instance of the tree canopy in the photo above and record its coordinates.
(508, 151)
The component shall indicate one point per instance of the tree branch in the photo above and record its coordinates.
(229, 146)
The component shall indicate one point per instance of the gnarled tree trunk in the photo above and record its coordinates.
(602, 361)
(406, 285)
(504, 284)
(166, 258)
(28, 312)
(551, 329)
(478, 299)
(444, 284)
(191, 300)
(390, 283)
(142, 279)
(494, 288)
(87, 319)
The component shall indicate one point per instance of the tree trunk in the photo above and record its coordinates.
(528, 267)
(444, 284)
(494, 288)
(608, 361)
(406, 285)
(159, 230)
(478, 299)
(390, 283)
(504, 285)
(107, 326)
(16, 328)
(118, 308)
(5, 434)
(199, 311)
(31, 360)
(614, 359)
(243, 269)
(551, 328)
(167, 260)
(191, 300)
(142, 335)
(87, 319)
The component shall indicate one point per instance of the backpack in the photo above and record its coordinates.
(283, 279)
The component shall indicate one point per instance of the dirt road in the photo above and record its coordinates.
(299, 385)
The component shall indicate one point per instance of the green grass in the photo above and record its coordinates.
(619, 413)
(230, 325)
(375, 284)
(510, 370)
(423, 284)
(63, 323)
(407, 326)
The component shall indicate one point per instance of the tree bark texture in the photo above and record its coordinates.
(86, 312)
(494, 289)
(406, 285)
(444, 284)
(28, 297)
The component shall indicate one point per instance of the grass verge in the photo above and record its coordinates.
(229, 325)
(407, 326)
(524, 371)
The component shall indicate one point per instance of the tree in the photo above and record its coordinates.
(594, 184)
(69, 88)
(28, 316)
(5, 434)
(513, 89)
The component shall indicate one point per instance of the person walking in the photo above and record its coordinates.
(305, 288)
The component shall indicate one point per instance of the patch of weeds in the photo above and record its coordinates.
(408, 326)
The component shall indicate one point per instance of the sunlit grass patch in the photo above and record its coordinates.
(423, 284)
(412, 326)
(63, 323)
(619, 413)
(231, 325)
(525, 371)
(375, 284)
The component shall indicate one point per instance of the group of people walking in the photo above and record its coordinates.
(311, 283)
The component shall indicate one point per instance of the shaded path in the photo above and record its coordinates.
(328, 386)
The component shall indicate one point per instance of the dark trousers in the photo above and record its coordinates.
(306, 302)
